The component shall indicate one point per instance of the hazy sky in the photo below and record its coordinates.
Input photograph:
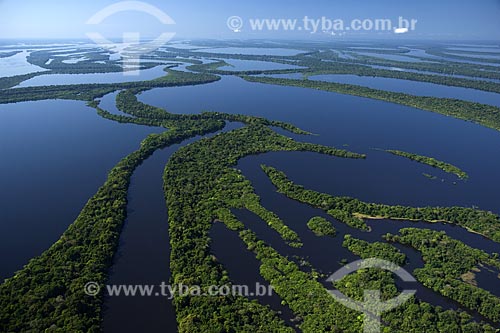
(444, 19)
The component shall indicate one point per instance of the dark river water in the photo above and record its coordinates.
(144, 249)
(428, 58)
(414, 88)
(55, 155)
(143, 254)
(118, 77)
(360, 124)
(326, 253)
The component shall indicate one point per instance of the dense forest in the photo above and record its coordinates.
(94, 235)
(321, 226)
(486, 115)
(446, 260)
(346, 209)
(89, 92)
(214, 188)
(202, 186)
(446, 167)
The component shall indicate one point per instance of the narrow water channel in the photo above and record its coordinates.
(326, 253)
(143, 255)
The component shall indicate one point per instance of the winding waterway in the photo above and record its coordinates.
(57, 153)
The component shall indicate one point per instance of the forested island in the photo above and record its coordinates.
(202, 185)
(352, 211)
(321, 226)
(485, 115)
(446, 167)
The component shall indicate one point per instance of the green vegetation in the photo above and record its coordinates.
(322, 60)
(347, 218)
(85, 251)
(214, 68)
(446, 167)
(442, 66)
(305, 296)
(237, 192)
(213, 189)
(368, 250)
(202, 186)
(321, 226)
(486, 115)
(127, 102)
(446, 260)
(449, 54)
(317, 310)
(468, 52)
(48, 293)
(12, 81)
(89, 92)
(321, 68)
(209, 67)
(345, 209)
(90, 65)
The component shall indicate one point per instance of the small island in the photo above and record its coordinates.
(321, 227)
(446, 167)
